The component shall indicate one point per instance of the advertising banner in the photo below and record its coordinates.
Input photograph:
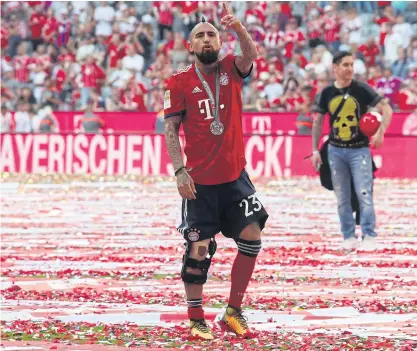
(266, 156)
(253, 123)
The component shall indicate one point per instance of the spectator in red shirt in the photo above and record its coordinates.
(163, 12)
(315, 28)
(60, 77)
(374, 74)
(157, 66)
(412, 74)
(49, 30)
(132, 98)
(273, 36)
(91, 76)
(299, 59)
(36, 22)
(387, 17)
(188, 12)
(116, 31)
(260, 64)
(370, 51)
(210, 10)
(332, 26)
(292, 99)
(293, 38)
(114, 51)
(407, 96)
(42, 59)
(255, 13)
(65, 56)
(177, 39)
(21, 64)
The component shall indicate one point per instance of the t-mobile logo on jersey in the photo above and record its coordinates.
(204, 106)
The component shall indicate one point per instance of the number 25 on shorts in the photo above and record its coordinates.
(256, 205)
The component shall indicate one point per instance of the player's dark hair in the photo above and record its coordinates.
(337, 58)
(203, 19)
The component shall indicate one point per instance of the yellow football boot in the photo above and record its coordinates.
(201, 329)
(235, 320)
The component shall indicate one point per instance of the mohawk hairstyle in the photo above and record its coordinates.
(203, 19)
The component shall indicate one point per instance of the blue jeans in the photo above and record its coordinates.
(85, 95)
(346, 164)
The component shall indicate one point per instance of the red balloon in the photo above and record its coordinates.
(370, 122)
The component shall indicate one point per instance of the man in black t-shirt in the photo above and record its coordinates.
(346, 101)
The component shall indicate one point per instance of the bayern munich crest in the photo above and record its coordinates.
(193, 236)
(224, 79)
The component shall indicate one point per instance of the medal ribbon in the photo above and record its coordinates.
(214, 102)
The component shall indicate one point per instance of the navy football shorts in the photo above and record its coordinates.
(227, 208)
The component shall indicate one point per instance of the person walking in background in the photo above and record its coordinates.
(347, 100)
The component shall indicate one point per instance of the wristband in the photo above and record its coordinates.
(178, 170)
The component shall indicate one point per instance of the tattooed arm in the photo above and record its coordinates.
(249, 54)
(172, 128)
(316, 134)
(248, 47)
(317, 130)
(185, 184)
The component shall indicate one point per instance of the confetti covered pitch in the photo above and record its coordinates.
(93, 264)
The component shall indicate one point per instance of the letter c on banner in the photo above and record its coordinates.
(254, 141)
(93, 156)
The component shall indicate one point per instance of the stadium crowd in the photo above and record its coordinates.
(117, 56)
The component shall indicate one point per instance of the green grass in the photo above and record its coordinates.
(163, 276)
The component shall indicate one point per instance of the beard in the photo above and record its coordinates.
(207, 58)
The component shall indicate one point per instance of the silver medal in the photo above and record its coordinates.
(216, 128)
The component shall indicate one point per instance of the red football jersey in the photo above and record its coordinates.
(211, 159)
(37, 21)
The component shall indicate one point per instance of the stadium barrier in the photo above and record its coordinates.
(403, 123)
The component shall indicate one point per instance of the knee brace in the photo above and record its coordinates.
(249, 248)
(203, 265)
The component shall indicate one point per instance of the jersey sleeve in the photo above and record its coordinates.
(369, 95)
(320, 105)
(230, 66)
(174, 102)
